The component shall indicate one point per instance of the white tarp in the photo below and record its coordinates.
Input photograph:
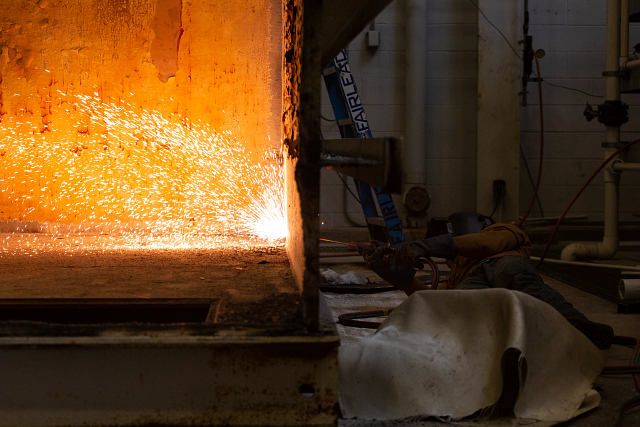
(441, 353)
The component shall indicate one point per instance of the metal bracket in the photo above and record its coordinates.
(377, 161)
(329, 70)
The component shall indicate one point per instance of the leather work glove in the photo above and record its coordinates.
(379, 259)
(409, 253)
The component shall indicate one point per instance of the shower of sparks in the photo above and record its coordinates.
(138, 178)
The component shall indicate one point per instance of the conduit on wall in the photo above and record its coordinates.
(415, 145)
(498, 125)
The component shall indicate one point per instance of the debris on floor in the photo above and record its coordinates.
(349, 278)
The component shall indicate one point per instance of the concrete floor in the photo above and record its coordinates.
(613, 390)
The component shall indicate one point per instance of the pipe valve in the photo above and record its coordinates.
(590, 113)
(610, 113)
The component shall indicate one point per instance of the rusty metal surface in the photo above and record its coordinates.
(255, 287)
(246, 369)
(314, 32)
(292, 47)
(302, 127)
(133, 386)
(239, 375)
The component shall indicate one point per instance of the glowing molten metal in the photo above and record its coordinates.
(145, 180)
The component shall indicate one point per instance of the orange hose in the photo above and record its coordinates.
(555, 230)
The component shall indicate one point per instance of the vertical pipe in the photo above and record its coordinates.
(415, 146)
(613, 51)
(611, 202)
(624, 32)
(614, 44)
(609, 245)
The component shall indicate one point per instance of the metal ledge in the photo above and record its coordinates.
(237, 376)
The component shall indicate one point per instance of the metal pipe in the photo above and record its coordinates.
(624, 30)
(613, 50)
(629, 289)
(555, 218)
(620, 166)
(587, 264)
(415, 146)
(610, 241)
(630, 65)
(609, 245)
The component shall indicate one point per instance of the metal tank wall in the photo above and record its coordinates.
(97, 96)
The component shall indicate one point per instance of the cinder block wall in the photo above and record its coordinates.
(571, 32)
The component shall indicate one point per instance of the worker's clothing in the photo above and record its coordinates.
(516, 273)
(492, 242)
(410, 253)
(498, 257)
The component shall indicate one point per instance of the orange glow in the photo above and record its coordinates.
(156, 121)
(144, 176)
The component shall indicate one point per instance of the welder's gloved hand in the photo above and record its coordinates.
(366, 249)
(409, 253)
(384, 265)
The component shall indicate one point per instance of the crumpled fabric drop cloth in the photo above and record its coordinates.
(348, 278)
(443, 353)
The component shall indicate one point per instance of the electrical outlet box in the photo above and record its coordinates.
(373, 39)
(499, 189)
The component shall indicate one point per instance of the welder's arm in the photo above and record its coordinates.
(378, 259)
(483, 245)
(478, 245)
(409, 253)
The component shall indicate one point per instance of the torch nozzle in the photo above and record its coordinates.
(354, 246)
(366, 247)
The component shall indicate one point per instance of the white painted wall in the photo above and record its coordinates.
(573, 35)
(499, 83)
